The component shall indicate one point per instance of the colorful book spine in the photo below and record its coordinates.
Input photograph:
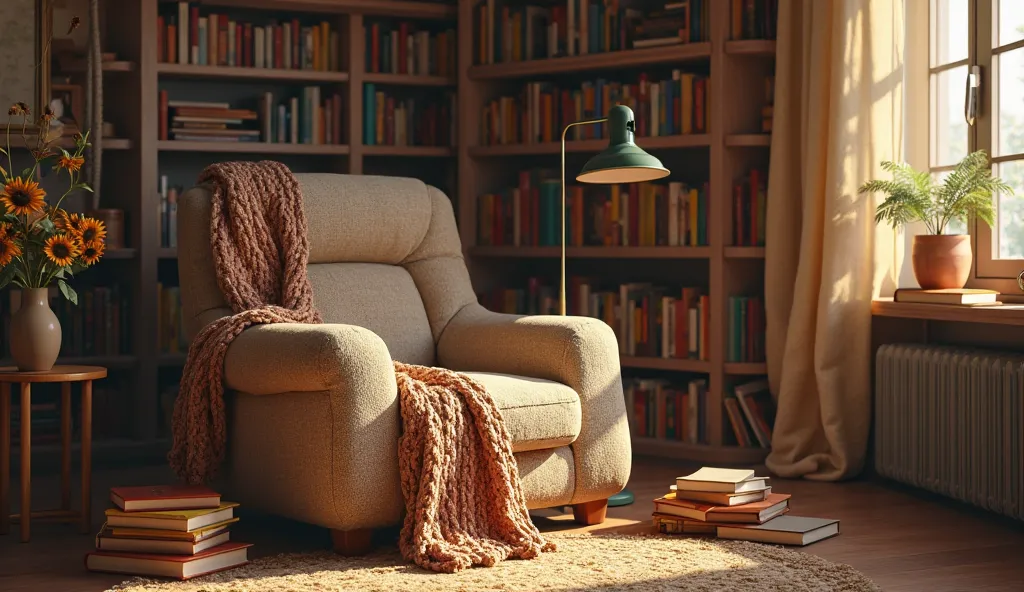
(649, 321)
(399, 48)
(664, 410)
(746, 324)
(513, 32)
(749, 209)
(754, 19)
(636, 215)
(541, 110)
(393, 121)
(186, 36)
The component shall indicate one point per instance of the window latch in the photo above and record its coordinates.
(971, 100)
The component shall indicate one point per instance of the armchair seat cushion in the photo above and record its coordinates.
(539, 414)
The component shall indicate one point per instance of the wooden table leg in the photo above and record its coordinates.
(65, 446)
(26, 459)
(86, 456)
(5, 457)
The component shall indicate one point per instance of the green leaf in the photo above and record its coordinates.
(82, 186)
(26, 173)
(47, 225)
(68, 292)
(6, 275)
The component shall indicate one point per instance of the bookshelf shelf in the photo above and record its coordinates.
(744, 252)
(253, 147)
(168, 70)
(675, 364)
(594, 252)
(643, 446)
(745, 368)
(595, 145)
(597, 61)
(402, 8)
(79, 67)
(423, 151)
(408, 79)
(760, 47)
(120, 254)
(111, 362)
(748, 140)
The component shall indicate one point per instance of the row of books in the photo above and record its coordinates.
(399, 48)
(635, 215)
(749, 209)
(168, 214)
(392, 121)
(184, 36)
(539, 113)
(99, 325)
(513, 31)
(648, 320)
(746, 329)
(170, 332)
(768, 110)
(307, 119)
(663, 410)
(175, 531)
(204, 121)
(754, 19)
(751, 412)
(735, 504)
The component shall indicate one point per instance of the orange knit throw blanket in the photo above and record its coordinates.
(463, 498)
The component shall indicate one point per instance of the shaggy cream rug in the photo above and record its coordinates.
(582, 562)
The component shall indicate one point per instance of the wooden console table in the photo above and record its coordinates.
(1006, 314)
(65, 375)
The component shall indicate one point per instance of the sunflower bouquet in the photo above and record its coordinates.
(41, 243)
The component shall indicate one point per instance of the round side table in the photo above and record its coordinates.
(66, 375)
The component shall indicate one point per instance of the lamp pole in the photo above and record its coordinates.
(561, 282)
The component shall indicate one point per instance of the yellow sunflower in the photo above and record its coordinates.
(61, 250)
(8, 251)
(92, 230)
(6, 230)
(91, 252)
(72, 223)
(22, 197)
(71, 163)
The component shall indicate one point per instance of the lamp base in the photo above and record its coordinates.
(622, 498)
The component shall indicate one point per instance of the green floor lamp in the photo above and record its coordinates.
(621, 162)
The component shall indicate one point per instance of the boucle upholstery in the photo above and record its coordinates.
(314, 419)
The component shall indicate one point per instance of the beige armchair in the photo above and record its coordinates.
(313, 409)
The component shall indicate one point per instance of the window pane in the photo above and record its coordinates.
(1010, 212)
(949, 129)
(949, 41)
(1011, 22)
(1010, 129)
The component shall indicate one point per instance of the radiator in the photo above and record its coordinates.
(950, 420)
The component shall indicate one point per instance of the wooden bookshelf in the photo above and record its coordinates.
(421, 151)
(167, 253)
(599, 61)
(737, 69)
(228, 72)
(408, 79)
(588, 146)
(594, 252)
(251, 147)
(407, 9)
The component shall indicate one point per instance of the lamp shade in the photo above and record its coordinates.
(622, 161)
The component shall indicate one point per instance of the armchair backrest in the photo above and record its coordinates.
(384, 254)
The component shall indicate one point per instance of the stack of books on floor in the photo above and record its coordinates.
(174, 531)
(735, 504)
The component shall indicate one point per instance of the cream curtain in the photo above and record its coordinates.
(838, 113)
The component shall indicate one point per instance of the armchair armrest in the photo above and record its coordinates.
(579, 352)
(281, 358)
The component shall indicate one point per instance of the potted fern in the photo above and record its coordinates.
(939, 260)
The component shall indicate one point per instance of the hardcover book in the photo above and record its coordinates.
(179, 520)
(164, 497)
(181, 567)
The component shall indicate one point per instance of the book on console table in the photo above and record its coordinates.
(960, 296)
(182, 567)
(164, 497)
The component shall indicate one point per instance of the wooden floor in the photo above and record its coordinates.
(903, 539)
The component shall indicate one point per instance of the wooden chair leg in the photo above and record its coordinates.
(352, 542)
(589, 513)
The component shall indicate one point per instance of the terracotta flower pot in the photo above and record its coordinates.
(942, 261)
(35, 332)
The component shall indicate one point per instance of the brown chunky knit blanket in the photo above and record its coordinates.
(463, 499)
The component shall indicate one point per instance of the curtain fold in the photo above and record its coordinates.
(838, 114)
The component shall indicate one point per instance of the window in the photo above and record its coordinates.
(983, 39)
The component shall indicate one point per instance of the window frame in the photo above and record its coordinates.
(989, 270)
